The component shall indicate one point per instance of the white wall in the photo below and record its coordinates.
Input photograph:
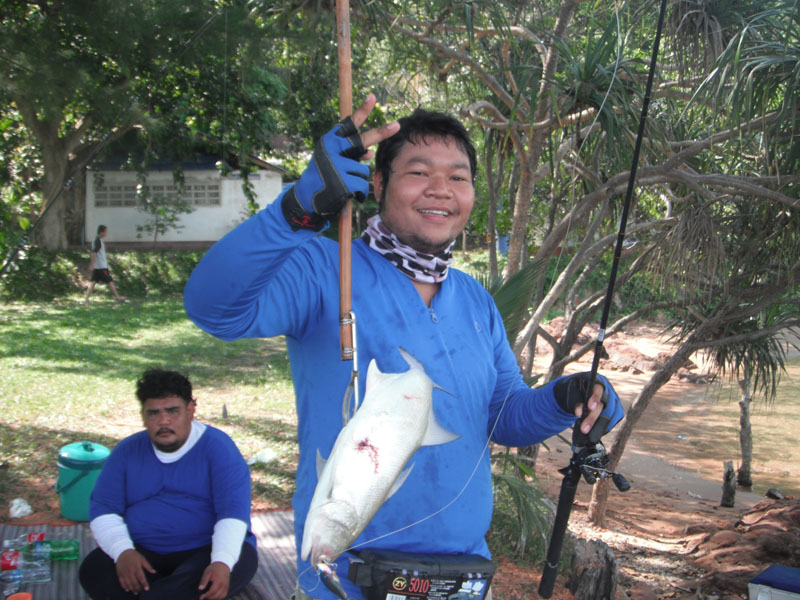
(204, 224)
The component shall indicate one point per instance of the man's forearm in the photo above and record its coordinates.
(226, 542)
(111, 534)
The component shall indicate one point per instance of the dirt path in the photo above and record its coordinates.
(658, 528)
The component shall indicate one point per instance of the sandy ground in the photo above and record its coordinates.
(652, 529)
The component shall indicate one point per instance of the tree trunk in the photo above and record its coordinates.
(728, 485)
(744, 476)
(536, 144)
(75, 211)
(531, 453)
(50, 233)
(491, 218)
(593, 573)
(516, 242)
(599, 501)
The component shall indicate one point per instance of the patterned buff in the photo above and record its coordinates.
(428, 268)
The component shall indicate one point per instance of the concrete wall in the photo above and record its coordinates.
(110, 200)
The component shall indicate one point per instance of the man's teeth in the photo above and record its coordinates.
(444, 213)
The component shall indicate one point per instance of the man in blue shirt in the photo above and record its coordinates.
(274, 275)
(171, 508)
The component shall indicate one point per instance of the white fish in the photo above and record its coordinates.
(366, 464)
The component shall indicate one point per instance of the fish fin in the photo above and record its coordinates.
(399, 481)
(436, 434)
(409, 358)
(320, 464)
(374, 375)
(415, 364)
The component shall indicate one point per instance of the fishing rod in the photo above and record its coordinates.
(589, 457)
(347, 318)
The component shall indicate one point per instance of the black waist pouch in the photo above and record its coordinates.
(390, 575)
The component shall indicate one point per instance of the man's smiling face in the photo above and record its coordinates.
(429, 195)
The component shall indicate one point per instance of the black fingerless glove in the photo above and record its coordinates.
(333, 175)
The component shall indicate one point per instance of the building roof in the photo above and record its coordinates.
(202, 162)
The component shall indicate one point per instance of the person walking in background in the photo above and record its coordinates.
(98, 266)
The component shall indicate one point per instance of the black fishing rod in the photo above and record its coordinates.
(589, 456)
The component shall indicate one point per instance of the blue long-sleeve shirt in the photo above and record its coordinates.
(170, 507)
(263, 280)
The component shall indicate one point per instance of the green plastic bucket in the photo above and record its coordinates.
(79, 464)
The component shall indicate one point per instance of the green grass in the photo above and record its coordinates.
(69, 374)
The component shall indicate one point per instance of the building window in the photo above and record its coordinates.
(203, 194)
(195, 193)
(115, 195)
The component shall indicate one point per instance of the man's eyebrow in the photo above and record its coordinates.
(174, 407)
(428, 162)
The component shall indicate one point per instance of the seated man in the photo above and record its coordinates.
(171, 508)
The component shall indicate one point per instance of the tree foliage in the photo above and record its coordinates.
(553, 92)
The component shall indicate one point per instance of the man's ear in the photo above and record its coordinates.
(377, 186)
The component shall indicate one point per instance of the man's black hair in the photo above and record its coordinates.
(158, 383)
(101, 229)
(415, 128)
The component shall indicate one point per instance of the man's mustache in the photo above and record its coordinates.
(164, 430)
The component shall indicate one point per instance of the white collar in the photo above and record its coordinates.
(194, 435)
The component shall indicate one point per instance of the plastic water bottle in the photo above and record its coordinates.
(11, 560)
(67, 549)
(39, 573)
(53, 550)
(23, 576)
(23, 540)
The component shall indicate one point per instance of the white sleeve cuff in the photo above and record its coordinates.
(111, 534)
(226, 542)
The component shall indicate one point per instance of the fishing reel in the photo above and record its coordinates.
(591, 461)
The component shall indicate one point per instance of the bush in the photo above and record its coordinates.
(39, 275)
(153, 272)
(36, 275)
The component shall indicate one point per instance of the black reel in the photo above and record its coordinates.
(592, 462)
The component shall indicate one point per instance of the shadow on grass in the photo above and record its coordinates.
(269, 430)
(29, 463)
(115, 339)
(273, 482)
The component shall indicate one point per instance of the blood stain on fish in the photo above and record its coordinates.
(365, 446)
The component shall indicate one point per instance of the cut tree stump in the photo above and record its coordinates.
(593, 573)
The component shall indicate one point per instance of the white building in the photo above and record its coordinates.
(218, 202)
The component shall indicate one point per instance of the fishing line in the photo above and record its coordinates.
(508, 393)
(596, 118)
(101, 142)
(460, 493)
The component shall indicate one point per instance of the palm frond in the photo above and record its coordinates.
(513, 296)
